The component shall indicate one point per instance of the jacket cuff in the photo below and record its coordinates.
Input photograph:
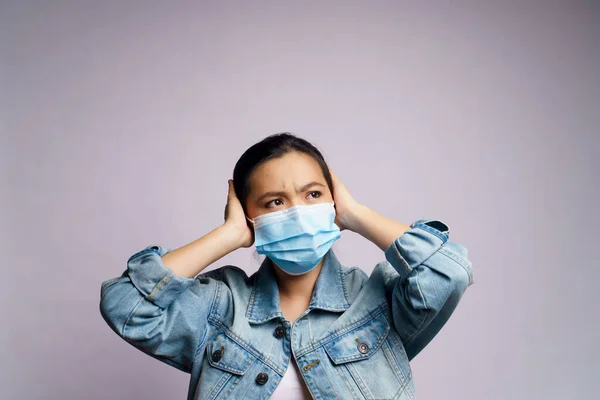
(416, 245)
(153, 279)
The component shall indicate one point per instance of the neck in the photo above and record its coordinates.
(298, 287)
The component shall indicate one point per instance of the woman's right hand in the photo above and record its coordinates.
(235, 219)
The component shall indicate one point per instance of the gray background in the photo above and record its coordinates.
(122, 120)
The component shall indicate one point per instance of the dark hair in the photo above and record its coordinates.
(272, 146)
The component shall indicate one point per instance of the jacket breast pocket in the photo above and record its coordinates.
(371, 361)
(226, 363)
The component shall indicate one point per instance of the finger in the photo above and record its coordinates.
(335, 179)
(230, 189)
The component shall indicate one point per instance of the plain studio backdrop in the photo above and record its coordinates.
(121, 122)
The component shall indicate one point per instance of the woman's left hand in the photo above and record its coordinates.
(345, 205)
(358, 218)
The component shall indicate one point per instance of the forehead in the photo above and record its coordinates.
(285, 173)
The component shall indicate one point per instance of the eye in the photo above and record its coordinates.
(316, 194)
(278, 201)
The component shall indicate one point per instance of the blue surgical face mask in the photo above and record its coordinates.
(297, 238)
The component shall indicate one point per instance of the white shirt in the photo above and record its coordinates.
(292, 386)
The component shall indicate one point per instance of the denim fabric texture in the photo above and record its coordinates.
(354, 341)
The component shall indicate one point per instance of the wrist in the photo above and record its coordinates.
(357, 214)
(231, 236)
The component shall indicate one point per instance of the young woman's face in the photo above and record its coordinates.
(284, 182)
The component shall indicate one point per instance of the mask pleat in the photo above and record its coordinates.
(296, 239)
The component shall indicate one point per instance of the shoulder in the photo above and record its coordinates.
(229, 275)
(353, 273)
(232, 286)
(383, 274)
(354, 278)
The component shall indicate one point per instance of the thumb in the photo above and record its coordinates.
(231, 195)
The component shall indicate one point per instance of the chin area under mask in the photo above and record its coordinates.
(290, 272)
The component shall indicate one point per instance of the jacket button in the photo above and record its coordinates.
(363, 348)
(216, 355)
(280, 331)
(262, 378)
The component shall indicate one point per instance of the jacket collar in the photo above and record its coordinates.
(330, 292)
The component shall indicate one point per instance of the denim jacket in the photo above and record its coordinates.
(354, 341)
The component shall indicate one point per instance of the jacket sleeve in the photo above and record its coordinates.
(156, 311)
(434, 272)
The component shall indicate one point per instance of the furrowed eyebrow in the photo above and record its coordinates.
(302, 189)
(309, 185)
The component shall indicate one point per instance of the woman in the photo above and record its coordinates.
(303, 324)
